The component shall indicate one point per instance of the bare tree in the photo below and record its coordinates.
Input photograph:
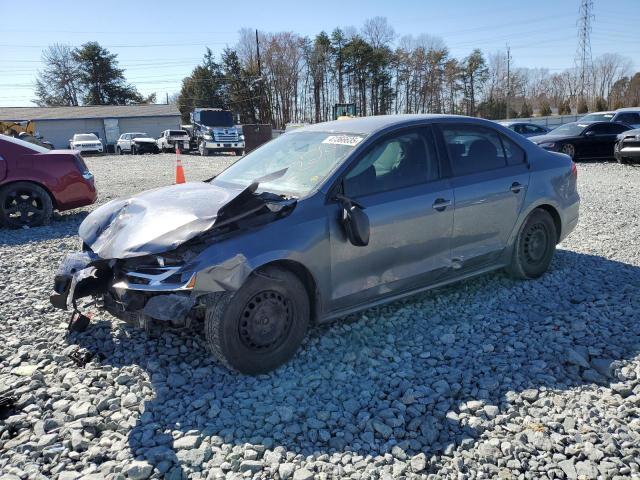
(378, 32)
(58, 83)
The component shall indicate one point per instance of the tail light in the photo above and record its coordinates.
(79, 162)
(574, 170)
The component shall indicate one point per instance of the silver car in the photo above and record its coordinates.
(324, 221)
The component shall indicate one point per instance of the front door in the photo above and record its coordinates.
(408, 203)
(490, 180)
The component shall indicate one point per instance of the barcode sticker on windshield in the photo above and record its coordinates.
(350, 140)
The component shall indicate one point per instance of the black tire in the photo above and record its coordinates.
(259, 327)
(239, 152)
(534, 247)
(119, 151)
(25, 204)
(133, 150)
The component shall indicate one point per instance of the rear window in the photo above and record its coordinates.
(177, 133)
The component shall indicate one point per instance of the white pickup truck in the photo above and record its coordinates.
(170, 138)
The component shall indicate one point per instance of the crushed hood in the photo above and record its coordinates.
(154, 221)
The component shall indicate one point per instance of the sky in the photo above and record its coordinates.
(159, 42)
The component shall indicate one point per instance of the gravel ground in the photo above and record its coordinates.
(491, 378)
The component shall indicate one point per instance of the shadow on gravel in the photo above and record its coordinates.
(62, 225)
(406, 377)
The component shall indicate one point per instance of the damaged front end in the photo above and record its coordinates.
(143, 285)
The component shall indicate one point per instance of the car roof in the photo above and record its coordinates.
(607, 112)
(628, 109)
(368, 125)
(520, 123)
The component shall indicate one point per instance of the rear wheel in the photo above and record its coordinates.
(570, 150)
(24, 204)
(259, 327)
(534, 247)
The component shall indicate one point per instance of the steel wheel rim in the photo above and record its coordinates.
(536, 244)
(23, 207)
(569, 150)
(265, 321)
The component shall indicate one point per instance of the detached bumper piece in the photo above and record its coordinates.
(80, 275)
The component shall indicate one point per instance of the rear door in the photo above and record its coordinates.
(409, 204)
(603, 139)
(490, 180)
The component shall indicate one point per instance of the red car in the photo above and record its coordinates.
(34, 181)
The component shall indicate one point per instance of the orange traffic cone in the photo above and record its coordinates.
(179, 169)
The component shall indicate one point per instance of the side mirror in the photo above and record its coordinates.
(354, 221)
(590, 133)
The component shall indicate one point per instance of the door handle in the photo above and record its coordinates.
(516, 187)
(440, 204)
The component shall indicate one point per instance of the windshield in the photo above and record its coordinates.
(30, 146)
(308, 157)
(139, 135)
(569, 129)
(177, 133)
(597, 117)
(84, 137)
(215, 118)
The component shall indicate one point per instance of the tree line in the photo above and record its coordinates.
(299, 79)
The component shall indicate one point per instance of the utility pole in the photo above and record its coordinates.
(167, 98)
(259, 78)
(508, 78)
(583, 54)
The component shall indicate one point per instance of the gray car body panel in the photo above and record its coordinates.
(409, 249)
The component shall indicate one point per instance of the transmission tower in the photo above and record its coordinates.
(583, 54)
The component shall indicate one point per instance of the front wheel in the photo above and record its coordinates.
(24, 204)
(534, 247)
(570, 150)
(260, 326)
(119, 151)
(203, 150)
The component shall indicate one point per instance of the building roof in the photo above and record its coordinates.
(102, 111)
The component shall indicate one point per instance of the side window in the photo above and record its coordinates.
(617, 128)
(513, 153)
(473, 148)
(600, 129)
(400, 160)
(628, 118)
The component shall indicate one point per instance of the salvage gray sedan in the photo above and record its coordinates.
(324, 221)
